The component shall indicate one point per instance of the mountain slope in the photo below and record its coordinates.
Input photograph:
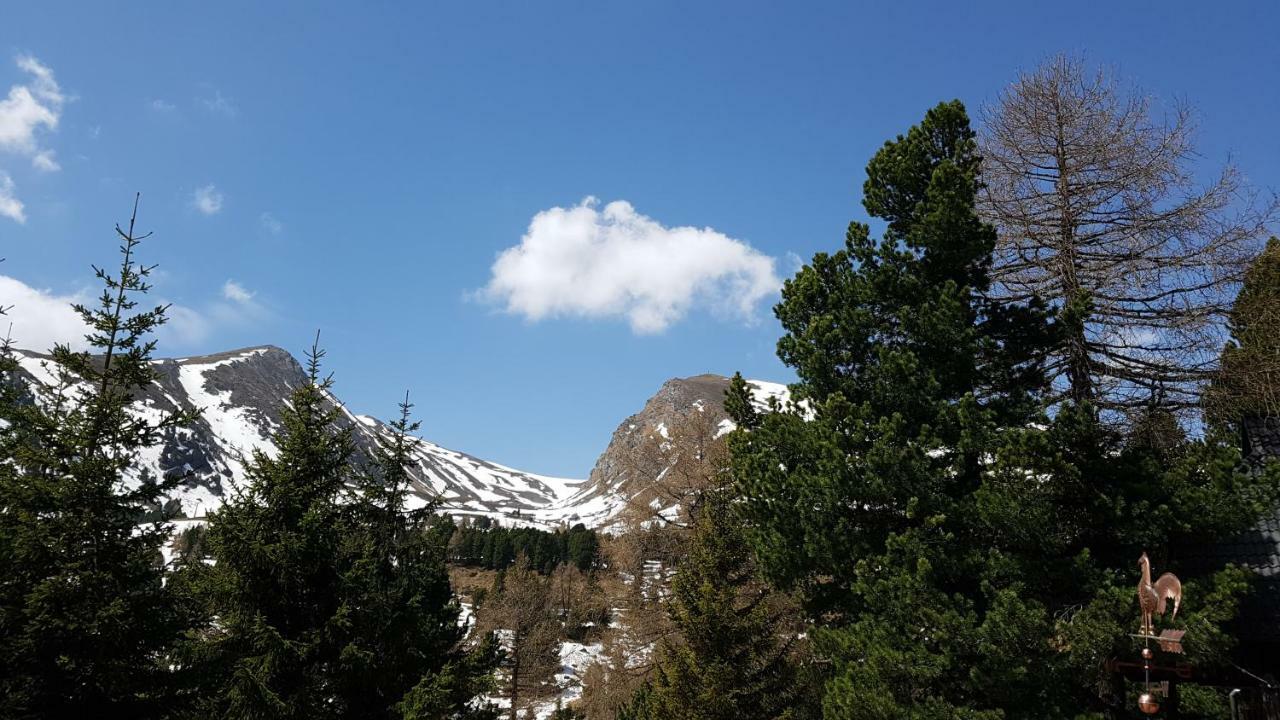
(240, 394)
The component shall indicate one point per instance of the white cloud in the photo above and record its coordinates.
(236, 292)
(43, 160)
(163, 106)
(10, 206)
(207, 199)
(40, 318)
(614, 262)
(271, 224)
(28, 110)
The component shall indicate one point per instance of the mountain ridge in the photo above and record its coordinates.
(240, 394)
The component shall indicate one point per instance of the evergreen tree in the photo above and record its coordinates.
(397, 608)
(276, 583)
(1247, 387)
(328, 602)
(85, 616)
(734, 659)
(945, 534)
(738, 403)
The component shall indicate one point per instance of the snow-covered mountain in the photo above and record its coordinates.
(240, 394)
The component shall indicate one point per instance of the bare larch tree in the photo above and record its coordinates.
(1099, 213)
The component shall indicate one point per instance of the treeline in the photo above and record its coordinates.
(483, 543)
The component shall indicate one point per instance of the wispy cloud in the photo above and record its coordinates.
(235, 292)
(162, 106)
(207, 200)
(31, 109)
(43, 160)
(590, 262)
(220, 104)
(10, 206)
(270, 224)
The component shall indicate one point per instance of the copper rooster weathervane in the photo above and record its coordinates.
(1153, 599)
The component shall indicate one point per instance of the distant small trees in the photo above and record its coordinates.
(1099, 214)
(494, 547)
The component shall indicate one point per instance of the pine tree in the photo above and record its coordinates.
(735, 657)
(85, 616)
(738, 403)
(1246, 390)
(945, 534)
(905, 370)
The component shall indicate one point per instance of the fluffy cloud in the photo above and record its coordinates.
(38, 318)
(41, 318)
(207, 200)
(29, 109)
(236, 292)
(10, 206)
(590, 262)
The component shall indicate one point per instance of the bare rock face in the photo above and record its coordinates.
(614, 475)
(645, 445)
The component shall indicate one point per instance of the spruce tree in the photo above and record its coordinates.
(328, 597)
(734, 658)
(275, 587)
(397, 608)
(85, 617)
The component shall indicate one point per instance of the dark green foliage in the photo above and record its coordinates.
(85, 619)
(946, 535)
(452, 691)
(494, 547)
(397, 608)
(329, 603)
(738, 405)
(734, 659)
(276, 587)
(1248, 384)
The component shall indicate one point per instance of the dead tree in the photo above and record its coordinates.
(1098, 213)
(522, 611)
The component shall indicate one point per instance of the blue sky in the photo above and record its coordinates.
(359, 168)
